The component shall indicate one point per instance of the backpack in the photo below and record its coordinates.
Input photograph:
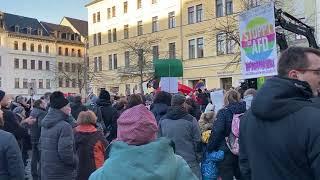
(97, 111)
(233, 139)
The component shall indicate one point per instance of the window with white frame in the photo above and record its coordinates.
(140, 28)
(219, 8)
(127, 59)
(199, 13)
(155, 24)
(191, 15)
(192, 52)
(229, 7)
(171, 20)
(221, 43)
(155, 52)
(200, 53)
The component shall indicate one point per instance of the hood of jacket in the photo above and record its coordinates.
(103, 102)
(36, 112)
(177, 112)
(159, 108)
(237, 107)
(280, 97)
(53, 117)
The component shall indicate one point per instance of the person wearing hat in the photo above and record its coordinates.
(138, 154)
(183, 129)
(58, 158)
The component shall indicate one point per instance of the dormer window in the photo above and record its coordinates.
(16, 28)
(40, 32)
(29, 30)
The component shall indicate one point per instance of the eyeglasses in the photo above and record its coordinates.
(315, 71)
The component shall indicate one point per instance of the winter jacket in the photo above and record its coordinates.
(209, 168)
(11, 125)
(76, 108)
(109, 116)
(222, 126)
(205, 123)
(155, 160)
(183, 130)
(11, 164)
(90, 147)
(159, 110)
(58, 157)
(38, 114)
(280, 134)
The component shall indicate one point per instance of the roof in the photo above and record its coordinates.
(80, 25)
(56, 27)
(12, 20)
(93, 2)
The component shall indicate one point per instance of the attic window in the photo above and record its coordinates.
(29, 30)
(40, 32)
(16, 28)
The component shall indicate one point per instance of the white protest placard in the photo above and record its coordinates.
(258, 42)
(217, 99)
(169, 84)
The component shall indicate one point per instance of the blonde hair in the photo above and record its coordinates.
(231, 96)
(87, 117)
(208, 117)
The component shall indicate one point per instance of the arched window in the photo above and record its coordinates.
(66, 52)
(60, 51)
(16, 45)
(39, 48)
(73, 53)
(24, 46)
(32, 47)
(47, 49)
(79, 53)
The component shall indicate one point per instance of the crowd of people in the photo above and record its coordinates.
(273, 133)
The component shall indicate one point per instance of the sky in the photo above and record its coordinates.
(46, 10)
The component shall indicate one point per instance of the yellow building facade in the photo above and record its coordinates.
(190, 30)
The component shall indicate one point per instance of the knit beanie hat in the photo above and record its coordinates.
(2, 94)
(104, 95)
(57, 100)
(178, 100)
(137, 126)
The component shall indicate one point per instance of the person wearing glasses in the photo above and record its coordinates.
(280, 134)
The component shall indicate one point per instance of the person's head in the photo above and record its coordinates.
(40, 103)
(58, 101)
(134, 100)
(77, 99)
(121, 104)
(105, 95)
(4, 99)
(20, 111)
(137, 126)
(301, 63)
(231, 96)
(163, 97)
(47, 97)
(250, 92)
(207, 117)
(87, 117)
(178, 100)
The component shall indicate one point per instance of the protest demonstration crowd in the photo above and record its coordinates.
(268, 134)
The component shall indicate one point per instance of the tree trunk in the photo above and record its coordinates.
(141, 84)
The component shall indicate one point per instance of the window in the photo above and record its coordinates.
(140, 28)
(127, 59)
(114, 33)
(60, 66)
(230, 45)
(66, 52)
(110, 62)
(73, 83)
(39, 48)
(171, 20)
(60, 82)
(73, 53)
(126, 31)
(60, 51)
(113, 11)
(25, 84)
(200, 48)
(154, 1)
(40, 83)
(16, 83)
(33, 64)
(73, 67)
(40, 65)
(47, 49)
(67, 83)
(48, 84)
(33, 83)
(109, 13)
(100, 63)
(115, 61)
(16, 45)
(98, 16)
(29, 30)
(99, 38)
(140, 56)
(67, 66)
(79, 53)
(32, 47)
(155, 52)
(221, 44)
(191, 15)
(24, 64)
(16, 29)
(40, 32)
(219, 8)
(192, 53)
(172, 50)
(94, 39)
(16, 63)
(155, 24)
(139, 4)
(24, 46)
(253, 3)
(125, 7)
(47, 65)
(109, 36)
(95, 64)
(94, 18)
(199, 15)
(229, 7)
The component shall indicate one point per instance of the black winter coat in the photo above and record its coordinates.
(158, 110)
(76, 108)
(38, 114)
(280, 135)
(11, 125)
(110, 117)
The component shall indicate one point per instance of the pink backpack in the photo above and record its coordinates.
(233, 139)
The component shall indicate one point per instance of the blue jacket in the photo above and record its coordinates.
(155, 161)
(209, 168)
(57, 147)
(11, 164)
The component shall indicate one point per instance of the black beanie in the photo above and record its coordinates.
(2, 94)
(104, 95)
(57, 100)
